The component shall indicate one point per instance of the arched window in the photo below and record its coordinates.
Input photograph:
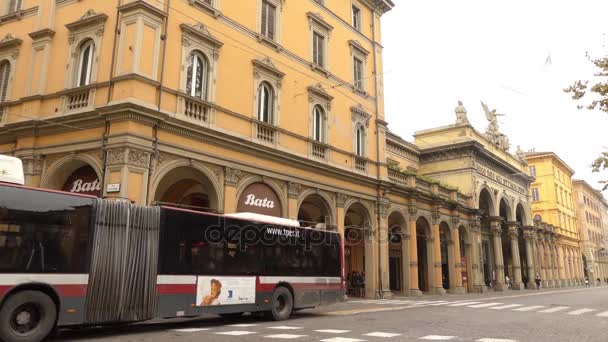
(318, 119)
(359, 141)
(198, 71)
(265, 102)
(85, 63)
(5, 71)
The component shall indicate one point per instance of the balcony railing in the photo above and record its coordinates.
(318, 150)
(193, 109)
(360, 164)
(266, 133)
(397, 177)
(77, 100)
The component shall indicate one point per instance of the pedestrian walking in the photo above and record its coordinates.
(537, 280)
(586, 282)
(508, 282)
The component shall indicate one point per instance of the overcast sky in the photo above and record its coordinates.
(440, 51)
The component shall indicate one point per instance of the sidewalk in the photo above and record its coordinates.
(355, 304)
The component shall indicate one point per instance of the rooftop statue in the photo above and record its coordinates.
(461, 114)
(492, 132)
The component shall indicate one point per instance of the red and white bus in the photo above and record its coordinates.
(75, 260)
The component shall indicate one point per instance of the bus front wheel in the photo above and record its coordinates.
(27, 316)
(282, 304)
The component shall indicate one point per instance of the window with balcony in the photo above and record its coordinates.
(265, 103)
(5, 71)
(13, 6)
(318, 123)
(85, 63)
(268, 20)
(358, 73)
(318, 49)
(198, 75)
(356, 17)
(360, 141)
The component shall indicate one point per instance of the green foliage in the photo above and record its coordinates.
(599, 91)
(601, 164)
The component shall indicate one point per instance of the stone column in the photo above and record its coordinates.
(562, 266)
(548, 261)
(405, 263)
(514, 236)
(383, 240)
(456, 286)
(529, 238)
(414, 290)
(555, 258)
(293, 193)
(231, 180)
(371, 263)
(476, 271)
(437, 279)
(542, 261)
(496, 228)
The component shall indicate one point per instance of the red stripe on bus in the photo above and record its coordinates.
(4, 290)
(71, 290)
(305, 287)
(167, 289)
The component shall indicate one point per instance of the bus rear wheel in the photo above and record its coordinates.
(282, 304)
(27, 316)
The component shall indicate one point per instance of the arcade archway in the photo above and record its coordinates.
(357, 235)
(398, 252)
(425, 254)
(187, 187)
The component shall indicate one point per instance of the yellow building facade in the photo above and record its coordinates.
(590, 205)
(554, 207)
(266, 106)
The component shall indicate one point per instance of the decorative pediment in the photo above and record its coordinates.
(360, 115)
(357, 46)
(89, 19)
(200, 31)
(266, 65)
(316, 18)
(9, 42)
(319, 92)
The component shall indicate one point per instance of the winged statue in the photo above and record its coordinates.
(492, 132)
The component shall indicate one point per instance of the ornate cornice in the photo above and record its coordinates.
(143, 5)
(267, 66)
(357, 46)
(318, 91)
(358, 114)
(10, 42)
(294, 189)
(42, 34)
(318, 19)
(89, 19)
(200, 31)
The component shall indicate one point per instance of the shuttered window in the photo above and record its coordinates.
(5, 70)
(356, 18)
(268, 20)
(318, 49)
(14, 6)
(358, 73)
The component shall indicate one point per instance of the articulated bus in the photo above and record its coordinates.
(70, 260)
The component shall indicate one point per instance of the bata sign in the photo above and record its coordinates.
(259, 198)
(83, 181)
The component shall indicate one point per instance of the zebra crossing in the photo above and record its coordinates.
(542, 309)
(263, 331)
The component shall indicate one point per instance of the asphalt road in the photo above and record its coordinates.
(536, 316)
